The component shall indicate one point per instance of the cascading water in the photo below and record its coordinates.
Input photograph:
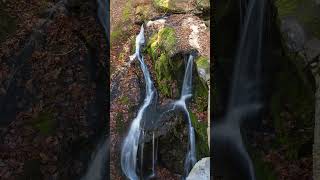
(131, 142)
(129, 152)
(96, 169)
(186, 93)
(231, 160)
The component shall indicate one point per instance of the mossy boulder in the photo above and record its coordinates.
(203, 68)
(168, 46)
(170, 41)
(161, 47)
(176, 6)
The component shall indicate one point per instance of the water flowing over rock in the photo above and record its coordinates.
(98, 165)
(245, 102)
(166, 54)
(131, 143)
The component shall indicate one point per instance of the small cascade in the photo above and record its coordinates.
(97, 166)
(186, 93)
(246, 97)
(131, 144)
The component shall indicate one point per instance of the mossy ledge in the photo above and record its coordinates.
(160, 48)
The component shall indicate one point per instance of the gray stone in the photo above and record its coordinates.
(294, 34)
(201, 170)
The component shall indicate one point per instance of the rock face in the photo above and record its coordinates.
(169, 42)
(201, 170)
(175, 5)
(182, 6)
(300, 28)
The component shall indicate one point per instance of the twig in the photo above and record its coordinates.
(63, 53)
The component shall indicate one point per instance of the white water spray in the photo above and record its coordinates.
(186, 93)
(131, 142)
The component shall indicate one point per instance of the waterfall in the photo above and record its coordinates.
(186, 93)
(247, 69)
(131, 142)
(97, 166)
(245, 99)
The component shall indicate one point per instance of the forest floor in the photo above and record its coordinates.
(47, 90)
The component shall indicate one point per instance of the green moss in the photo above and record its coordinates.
(163, 71)
(126, 12)
(160, 48)
(122, 29)
(45, 123)
(163, 5)
(115, 35)
(202, 62)
(124, 100)
(287, 7)
(200, 96)
(173, 6)
(162, 42)
(201, 137)
(143, 12)
(132, 44)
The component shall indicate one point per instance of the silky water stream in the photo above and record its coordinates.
(230, 157)
(131, 144)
